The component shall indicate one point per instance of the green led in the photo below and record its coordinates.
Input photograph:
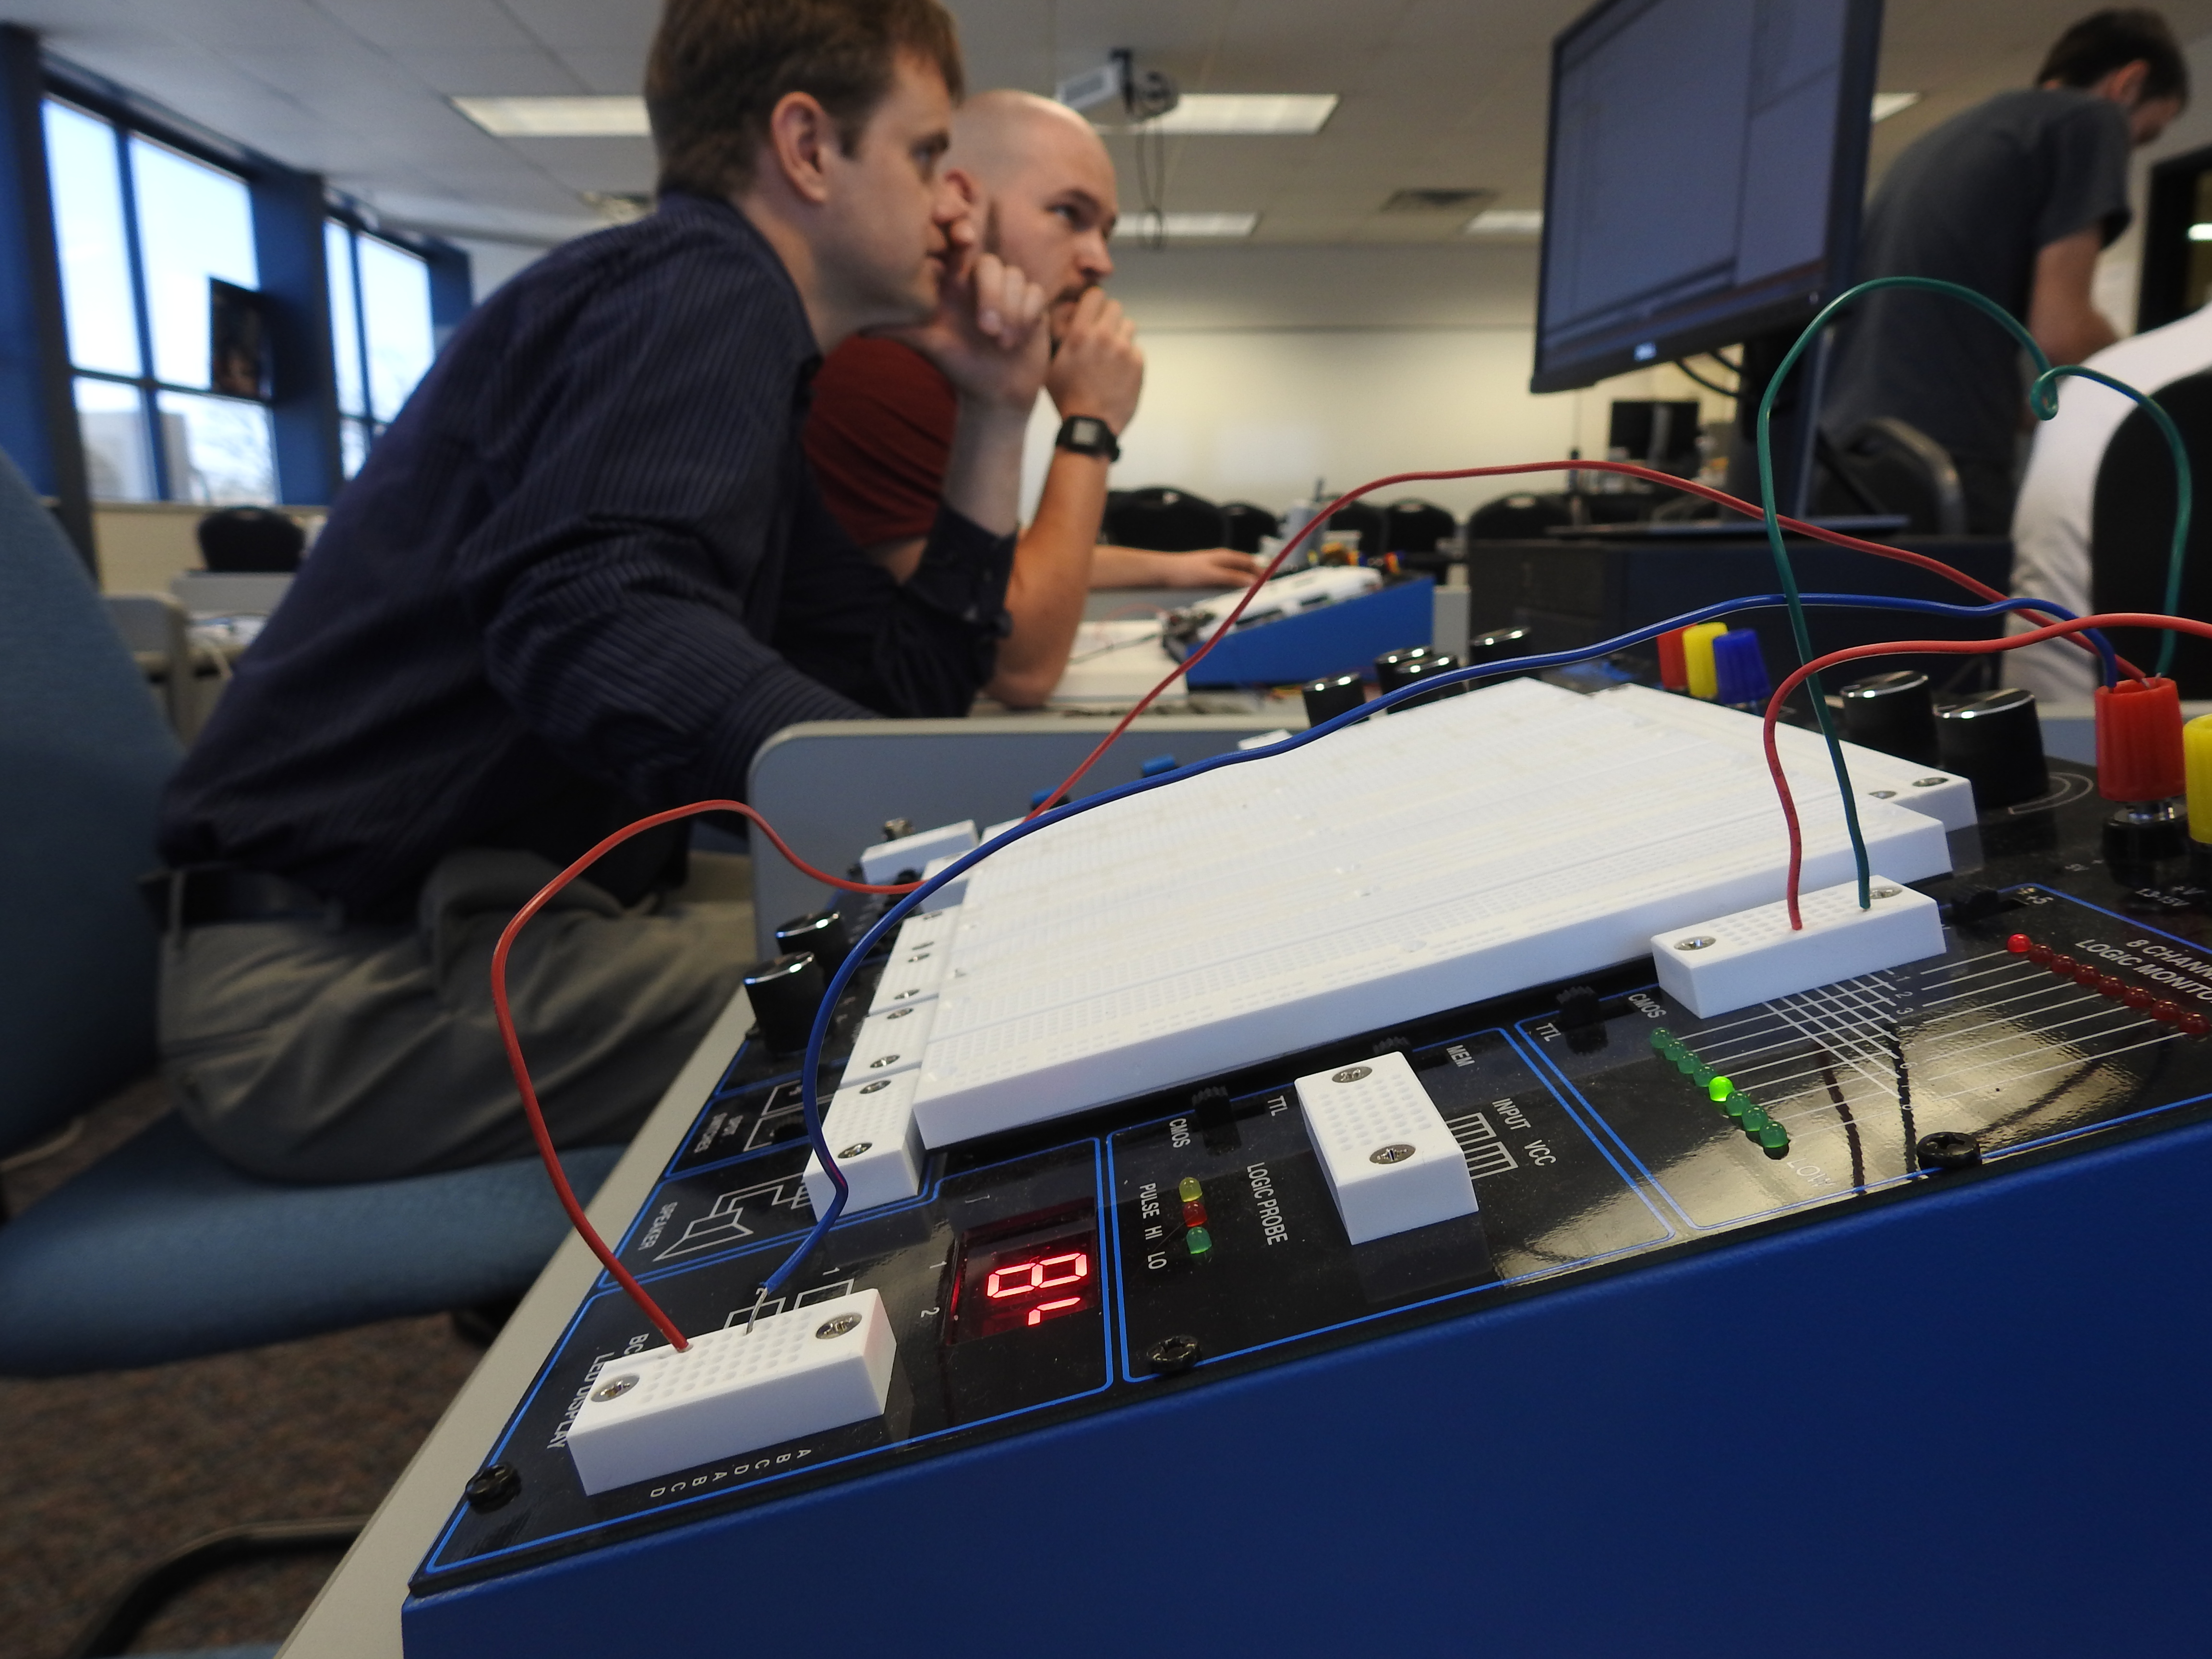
(1686, 1063)
(1774, 1140)
(1703, 1077)
(1737, 1105)
(1755, 1119)
(1198, 1241)
(1720, 1088)
(1660, 1038)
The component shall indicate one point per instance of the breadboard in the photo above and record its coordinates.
(1390, 1161)
(1413, 862)
(748, 1385)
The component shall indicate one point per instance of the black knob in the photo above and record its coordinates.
(1500, 644)
(1339, 694)
(1893, 713)
(1995, 742)
(1427, 667)
(821, 933)
(1390, 667)
(785, 994)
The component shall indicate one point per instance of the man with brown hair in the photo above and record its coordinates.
(569, 587)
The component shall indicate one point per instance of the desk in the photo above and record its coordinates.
(356, 1616)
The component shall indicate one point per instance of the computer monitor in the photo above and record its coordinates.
(1706, 162)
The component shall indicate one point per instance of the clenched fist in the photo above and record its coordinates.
(1097, 369)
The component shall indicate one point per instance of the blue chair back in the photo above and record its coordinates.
(84, 755)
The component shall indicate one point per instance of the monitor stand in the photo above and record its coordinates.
(1795, 419)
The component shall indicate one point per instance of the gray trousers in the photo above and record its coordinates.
(308, 1053)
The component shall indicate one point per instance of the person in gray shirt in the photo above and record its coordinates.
(2014, 198)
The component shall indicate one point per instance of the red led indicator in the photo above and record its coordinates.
(1019, 1282)
(1044, 1272)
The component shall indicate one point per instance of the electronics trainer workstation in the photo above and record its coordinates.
(1496, 1170)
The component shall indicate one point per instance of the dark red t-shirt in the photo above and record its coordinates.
(880, 438)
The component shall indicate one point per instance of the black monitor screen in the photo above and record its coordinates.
(1706, 162)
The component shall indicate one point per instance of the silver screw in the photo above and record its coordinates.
(614, 1389)
(898, 1014)
(1396, 1152)
(888, 1060)
(837, 1327)
(1695, 942)
(880, 1083)
(856, 1149)
(1887, 892)
(1352, 1073)
(1883, 794)
(1928, 783)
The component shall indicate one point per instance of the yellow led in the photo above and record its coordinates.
(2196, 760)
(1697, 658)
(1190, 1190)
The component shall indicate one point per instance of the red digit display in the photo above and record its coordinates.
(1018, 1283)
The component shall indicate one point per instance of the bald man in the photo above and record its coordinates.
(1041, 193)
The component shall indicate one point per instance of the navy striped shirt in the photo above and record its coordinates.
(584, 575)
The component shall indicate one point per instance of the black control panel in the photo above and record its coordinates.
(1085, 1264)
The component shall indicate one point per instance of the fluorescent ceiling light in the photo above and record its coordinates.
(2201, 232)
(1273, 114)
(1507, 222)
(1180, 225)
(1886, 104)
(612, 116)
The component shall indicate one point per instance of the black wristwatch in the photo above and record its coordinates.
(1087, 435)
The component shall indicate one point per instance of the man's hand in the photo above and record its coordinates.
(1098, 370)
(1136, 567)
(989, 336)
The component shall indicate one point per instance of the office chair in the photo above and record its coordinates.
(160, 1250)
(1365, 517)
(1890, 465)
(1518, 518)
(250, 538)
(1417, 526)
(1163, 520)
(1244, 525)
(2131, 527)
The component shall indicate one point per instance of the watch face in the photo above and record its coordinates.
(1087, 435)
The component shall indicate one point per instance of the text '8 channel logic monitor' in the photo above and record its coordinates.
(1706, 162)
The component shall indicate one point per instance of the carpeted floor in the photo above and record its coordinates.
(100, 1475)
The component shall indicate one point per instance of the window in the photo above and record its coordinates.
(142, 230)
(381, 331)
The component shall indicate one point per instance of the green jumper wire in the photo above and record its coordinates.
(2043, 398)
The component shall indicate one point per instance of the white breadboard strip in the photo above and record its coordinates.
(911, 975)
(734, 1390)
(953, 891)
(884, 860)
(890, 1042)
(1943, 796)
(870, 1128)
(1718, 967)
(1391, 1163)
(1462, 850)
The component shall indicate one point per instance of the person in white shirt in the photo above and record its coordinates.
(2050, 522)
